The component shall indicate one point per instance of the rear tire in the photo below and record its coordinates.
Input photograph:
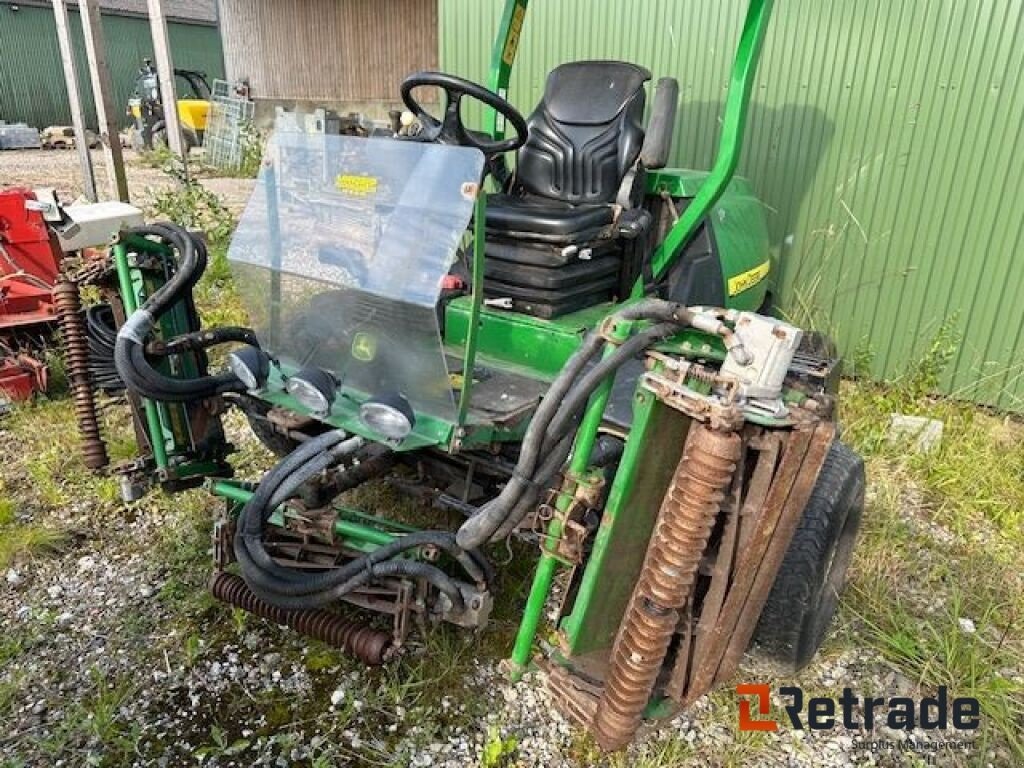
(804, 597)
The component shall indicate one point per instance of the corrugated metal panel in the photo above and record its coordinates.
(885, 137)
(32, 81)
(328, 50)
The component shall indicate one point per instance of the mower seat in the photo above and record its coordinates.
(560, 208)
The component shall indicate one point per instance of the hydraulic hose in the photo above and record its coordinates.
(561, 406)
(199, 340)
(129, 349)
(558, 438)
(294, 590)
(102, 335)
(479, 528)
(545, 474)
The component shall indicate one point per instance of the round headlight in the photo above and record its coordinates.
(389, 415)
(251, 366)
(314, 390)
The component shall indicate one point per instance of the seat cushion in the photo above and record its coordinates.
(535, 218)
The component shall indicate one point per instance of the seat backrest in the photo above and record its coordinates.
(585, 133)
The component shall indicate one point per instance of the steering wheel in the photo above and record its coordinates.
(450, 129)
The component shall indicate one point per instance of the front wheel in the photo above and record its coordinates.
(804, 597)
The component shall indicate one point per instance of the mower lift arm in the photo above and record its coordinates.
(734, 119)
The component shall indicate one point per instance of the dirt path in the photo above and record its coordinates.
(60, 169)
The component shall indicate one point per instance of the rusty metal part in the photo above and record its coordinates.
(584, 493)
(746, 498)
(666, 580)
(671, 385)
(223, 542)
(762, 552)
(369, 645)
(76, 351)
(573, 696)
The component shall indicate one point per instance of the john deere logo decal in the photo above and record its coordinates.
(364, 347)
(748, 279)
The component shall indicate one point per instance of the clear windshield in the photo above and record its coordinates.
(340, 255)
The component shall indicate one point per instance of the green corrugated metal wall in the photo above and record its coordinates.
(885, 137)
(32, 80)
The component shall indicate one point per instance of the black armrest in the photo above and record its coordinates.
(658, 140)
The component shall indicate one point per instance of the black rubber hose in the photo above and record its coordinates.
(101, 332)
(193, 342)
(401, 568)
(542, 481)
(478, 529)
(576, 400)
(129, 350)
(561, 403)
(410, 569)
(307, 591)
(291, 589)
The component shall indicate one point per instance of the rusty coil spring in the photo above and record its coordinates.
(666, 581)
(76, 356)
(369, 645)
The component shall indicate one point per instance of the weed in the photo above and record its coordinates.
(192, 206)
(193, 650)
(20, 541)
(160, 156)
(498, 751)
(96, 725)
(8, 510)
(251, 143)
(219, 745)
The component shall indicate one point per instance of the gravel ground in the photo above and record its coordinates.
(110, 654)
(60, 169)
(108, 662)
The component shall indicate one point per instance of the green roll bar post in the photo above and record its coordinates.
(734, 120)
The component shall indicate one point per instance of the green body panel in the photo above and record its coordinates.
(652, 451)
(734, 118)
(129, 299)
(532, 345)
(476, 303)
(175, 452)
(428, 431)
(739, 228)
(503, 56)
(583, 446)
(167, 423)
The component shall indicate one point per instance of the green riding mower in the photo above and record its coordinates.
(546, 333)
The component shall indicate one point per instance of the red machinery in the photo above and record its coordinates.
(29, 266)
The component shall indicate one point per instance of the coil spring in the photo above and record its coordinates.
(76, 351)
(666, 581)
(369, 645)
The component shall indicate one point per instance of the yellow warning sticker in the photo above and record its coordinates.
(508, 54)
(359, 186)
(747, 280)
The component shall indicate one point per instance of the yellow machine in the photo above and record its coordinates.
(146, 107)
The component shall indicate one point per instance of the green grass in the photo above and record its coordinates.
(93, 727)
(18, 542)
(942, 541)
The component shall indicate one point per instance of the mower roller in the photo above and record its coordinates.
(566, 350)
